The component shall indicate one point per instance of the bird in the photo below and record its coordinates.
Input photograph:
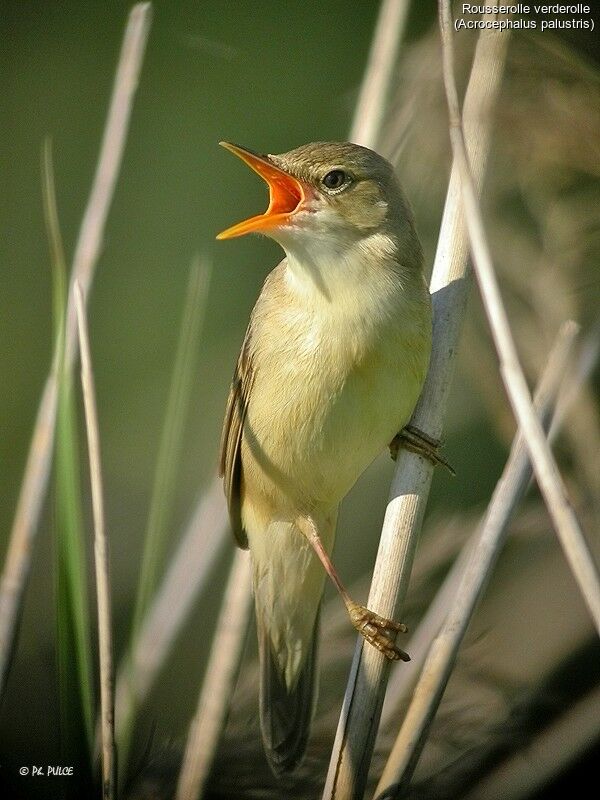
(332, 364)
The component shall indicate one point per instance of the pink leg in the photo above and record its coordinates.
(378, 631)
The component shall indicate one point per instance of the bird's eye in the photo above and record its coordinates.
(336, 179)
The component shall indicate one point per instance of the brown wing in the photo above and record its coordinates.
(230, 463)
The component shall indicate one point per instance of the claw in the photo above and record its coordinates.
(378, 631)
(416, 441)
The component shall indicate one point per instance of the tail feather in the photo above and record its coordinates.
(286, 714)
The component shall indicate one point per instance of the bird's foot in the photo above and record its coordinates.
(417, 441)
(378, 631)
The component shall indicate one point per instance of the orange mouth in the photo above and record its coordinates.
(286, 194)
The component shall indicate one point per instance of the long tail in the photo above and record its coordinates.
(288, 584)
(286, 714)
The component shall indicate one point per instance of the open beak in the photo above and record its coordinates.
(286, 194)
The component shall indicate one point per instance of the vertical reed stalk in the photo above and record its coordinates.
(101, 556)
(547, 474)
(402, 682)
(359, 720)
(371, 108)
(219, 681)
(482, 556)
(201, 545)
(17, 564)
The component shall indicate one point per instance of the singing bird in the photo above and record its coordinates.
(332, 364)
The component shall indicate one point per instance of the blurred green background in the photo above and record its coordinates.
(268, 75)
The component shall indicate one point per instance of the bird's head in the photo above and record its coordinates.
(334, 192)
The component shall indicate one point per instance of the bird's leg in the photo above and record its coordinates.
(378, 631)
(417, 441)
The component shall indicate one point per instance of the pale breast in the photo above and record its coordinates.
(328, 395)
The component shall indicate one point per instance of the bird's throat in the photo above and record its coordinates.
(330, 271)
